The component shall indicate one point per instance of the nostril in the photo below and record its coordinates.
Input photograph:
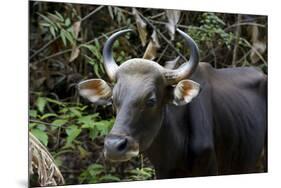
(122, 144)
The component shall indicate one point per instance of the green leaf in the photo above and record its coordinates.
(32, 125)
(109, 178)
(96, 70)
(59, 122)
(55, 102)
(33, 113)
(67, 22)
(58, 161)
(82, 151)
(95, 169)
(93, 133)
(62, 35)
(46, 18)
(42, 127)
(48, 115)
(59, 16)
(45, 24)
(69, 37)
(104, 126)
(87, 121)
(52, 30)
(72, 132)
(40, 135)
(76, 112)
(41, 103)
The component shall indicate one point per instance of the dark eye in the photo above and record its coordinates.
(151, 102)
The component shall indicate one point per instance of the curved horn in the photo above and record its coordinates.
(110, 65)
(186, 69)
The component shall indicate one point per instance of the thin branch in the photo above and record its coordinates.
(244, 57)
(91, 13)
(163, 52)
(41, 122)
(43, 47)
(237, 38)
(243, 24)
(157, 15)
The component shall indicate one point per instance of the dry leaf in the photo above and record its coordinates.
(74, 53)
(151, 50)
(111, 12)
(76, 28)
(172, 64)
(173, 18)
(257, 45)
(155, 39)
(141, 25)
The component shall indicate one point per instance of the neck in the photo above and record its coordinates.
(167, 149)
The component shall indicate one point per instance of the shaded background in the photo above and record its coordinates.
(66, 42)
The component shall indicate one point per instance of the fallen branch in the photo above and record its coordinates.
(42, 161)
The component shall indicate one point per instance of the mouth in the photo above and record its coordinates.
(121, 158)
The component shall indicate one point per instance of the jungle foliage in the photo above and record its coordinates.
(66, 42)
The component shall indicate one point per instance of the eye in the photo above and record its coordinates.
(151, 102)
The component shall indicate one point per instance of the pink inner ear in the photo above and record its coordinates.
(185, 91)
(186, 87)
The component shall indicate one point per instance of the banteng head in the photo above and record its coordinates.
(142, 90)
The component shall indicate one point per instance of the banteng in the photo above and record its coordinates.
(191, 121)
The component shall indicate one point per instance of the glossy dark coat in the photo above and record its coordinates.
(222, 131)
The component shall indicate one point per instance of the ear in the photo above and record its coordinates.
(185, 91)
(95, 90)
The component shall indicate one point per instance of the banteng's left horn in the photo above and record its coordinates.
(186, 69)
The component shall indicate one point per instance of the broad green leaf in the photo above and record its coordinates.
(76, 112)
(72, 132)
(59, 122)
(58, 161)
(95, 169)
(42, 127)
(41, 103)
(32, 125)
(93, 133)
(104, 126)
(33, 113)
(86, 121)
(40, 135)
(67, 22)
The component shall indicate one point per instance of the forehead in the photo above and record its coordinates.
(139, 76)
(140, 67)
